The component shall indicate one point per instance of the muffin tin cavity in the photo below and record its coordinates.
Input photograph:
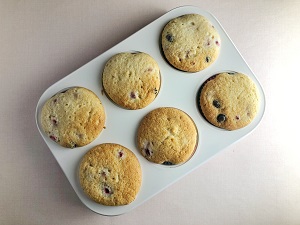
(229, 100)
(73, 117)
(131, 79)
(190, 42)
(167, 136)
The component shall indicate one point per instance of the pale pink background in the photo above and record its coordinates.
(256, 181)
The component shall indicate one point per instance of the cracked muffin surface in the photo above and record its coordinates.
(167, 136)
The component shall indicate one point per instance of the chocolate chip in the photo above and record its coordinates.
(170, 37)
(53, 120)
(148, 152)
(54, 138)
(167, 163)
(216, 104)
(107, 190)
(221, 118)
(207, 59)
(120, 154)
(132, 95)
(103, 174)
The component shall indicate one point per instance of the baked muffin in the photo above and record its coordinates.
(110, 174)
(131, 80)
(73, 118)
(229, 100)
(190, 42)
(167, 136)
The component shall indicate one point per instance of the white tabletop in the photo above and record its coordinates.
(254, 181)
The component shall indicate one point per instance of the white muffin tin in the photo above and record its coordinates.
(178, 89)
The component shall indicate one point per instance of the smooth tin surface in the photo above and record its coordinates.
(178, 89)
